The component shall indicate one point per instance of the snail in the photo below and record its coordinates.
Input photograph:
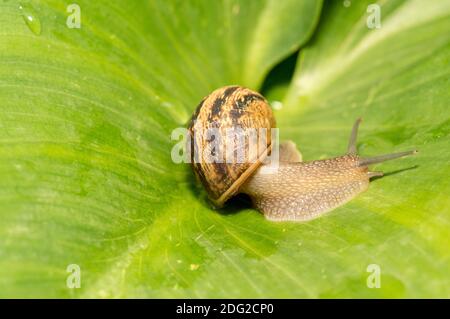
(295, 190)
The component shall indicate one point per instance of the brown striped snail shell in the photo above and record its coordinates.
(296, 190)
(227, 108)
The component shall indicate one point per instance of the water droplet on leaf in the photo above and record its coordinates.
(31, 19)
(276, 105)
(194, 266)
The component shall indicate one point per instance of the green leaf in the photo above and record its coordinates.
(86, 176)
(397, 79)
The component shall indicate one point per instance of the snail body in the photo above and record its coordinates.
(294, 190)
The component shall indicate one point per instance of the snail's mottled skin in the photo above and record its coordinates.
(307, 189)
(295, 190)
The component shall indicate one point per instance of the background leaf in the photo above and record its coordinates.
(397, 79)
(86, 174)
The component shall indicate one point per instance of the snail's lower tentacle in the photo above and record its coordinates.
(375, 174)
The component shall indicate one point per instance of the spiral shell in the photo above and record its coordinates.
(229, 107)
